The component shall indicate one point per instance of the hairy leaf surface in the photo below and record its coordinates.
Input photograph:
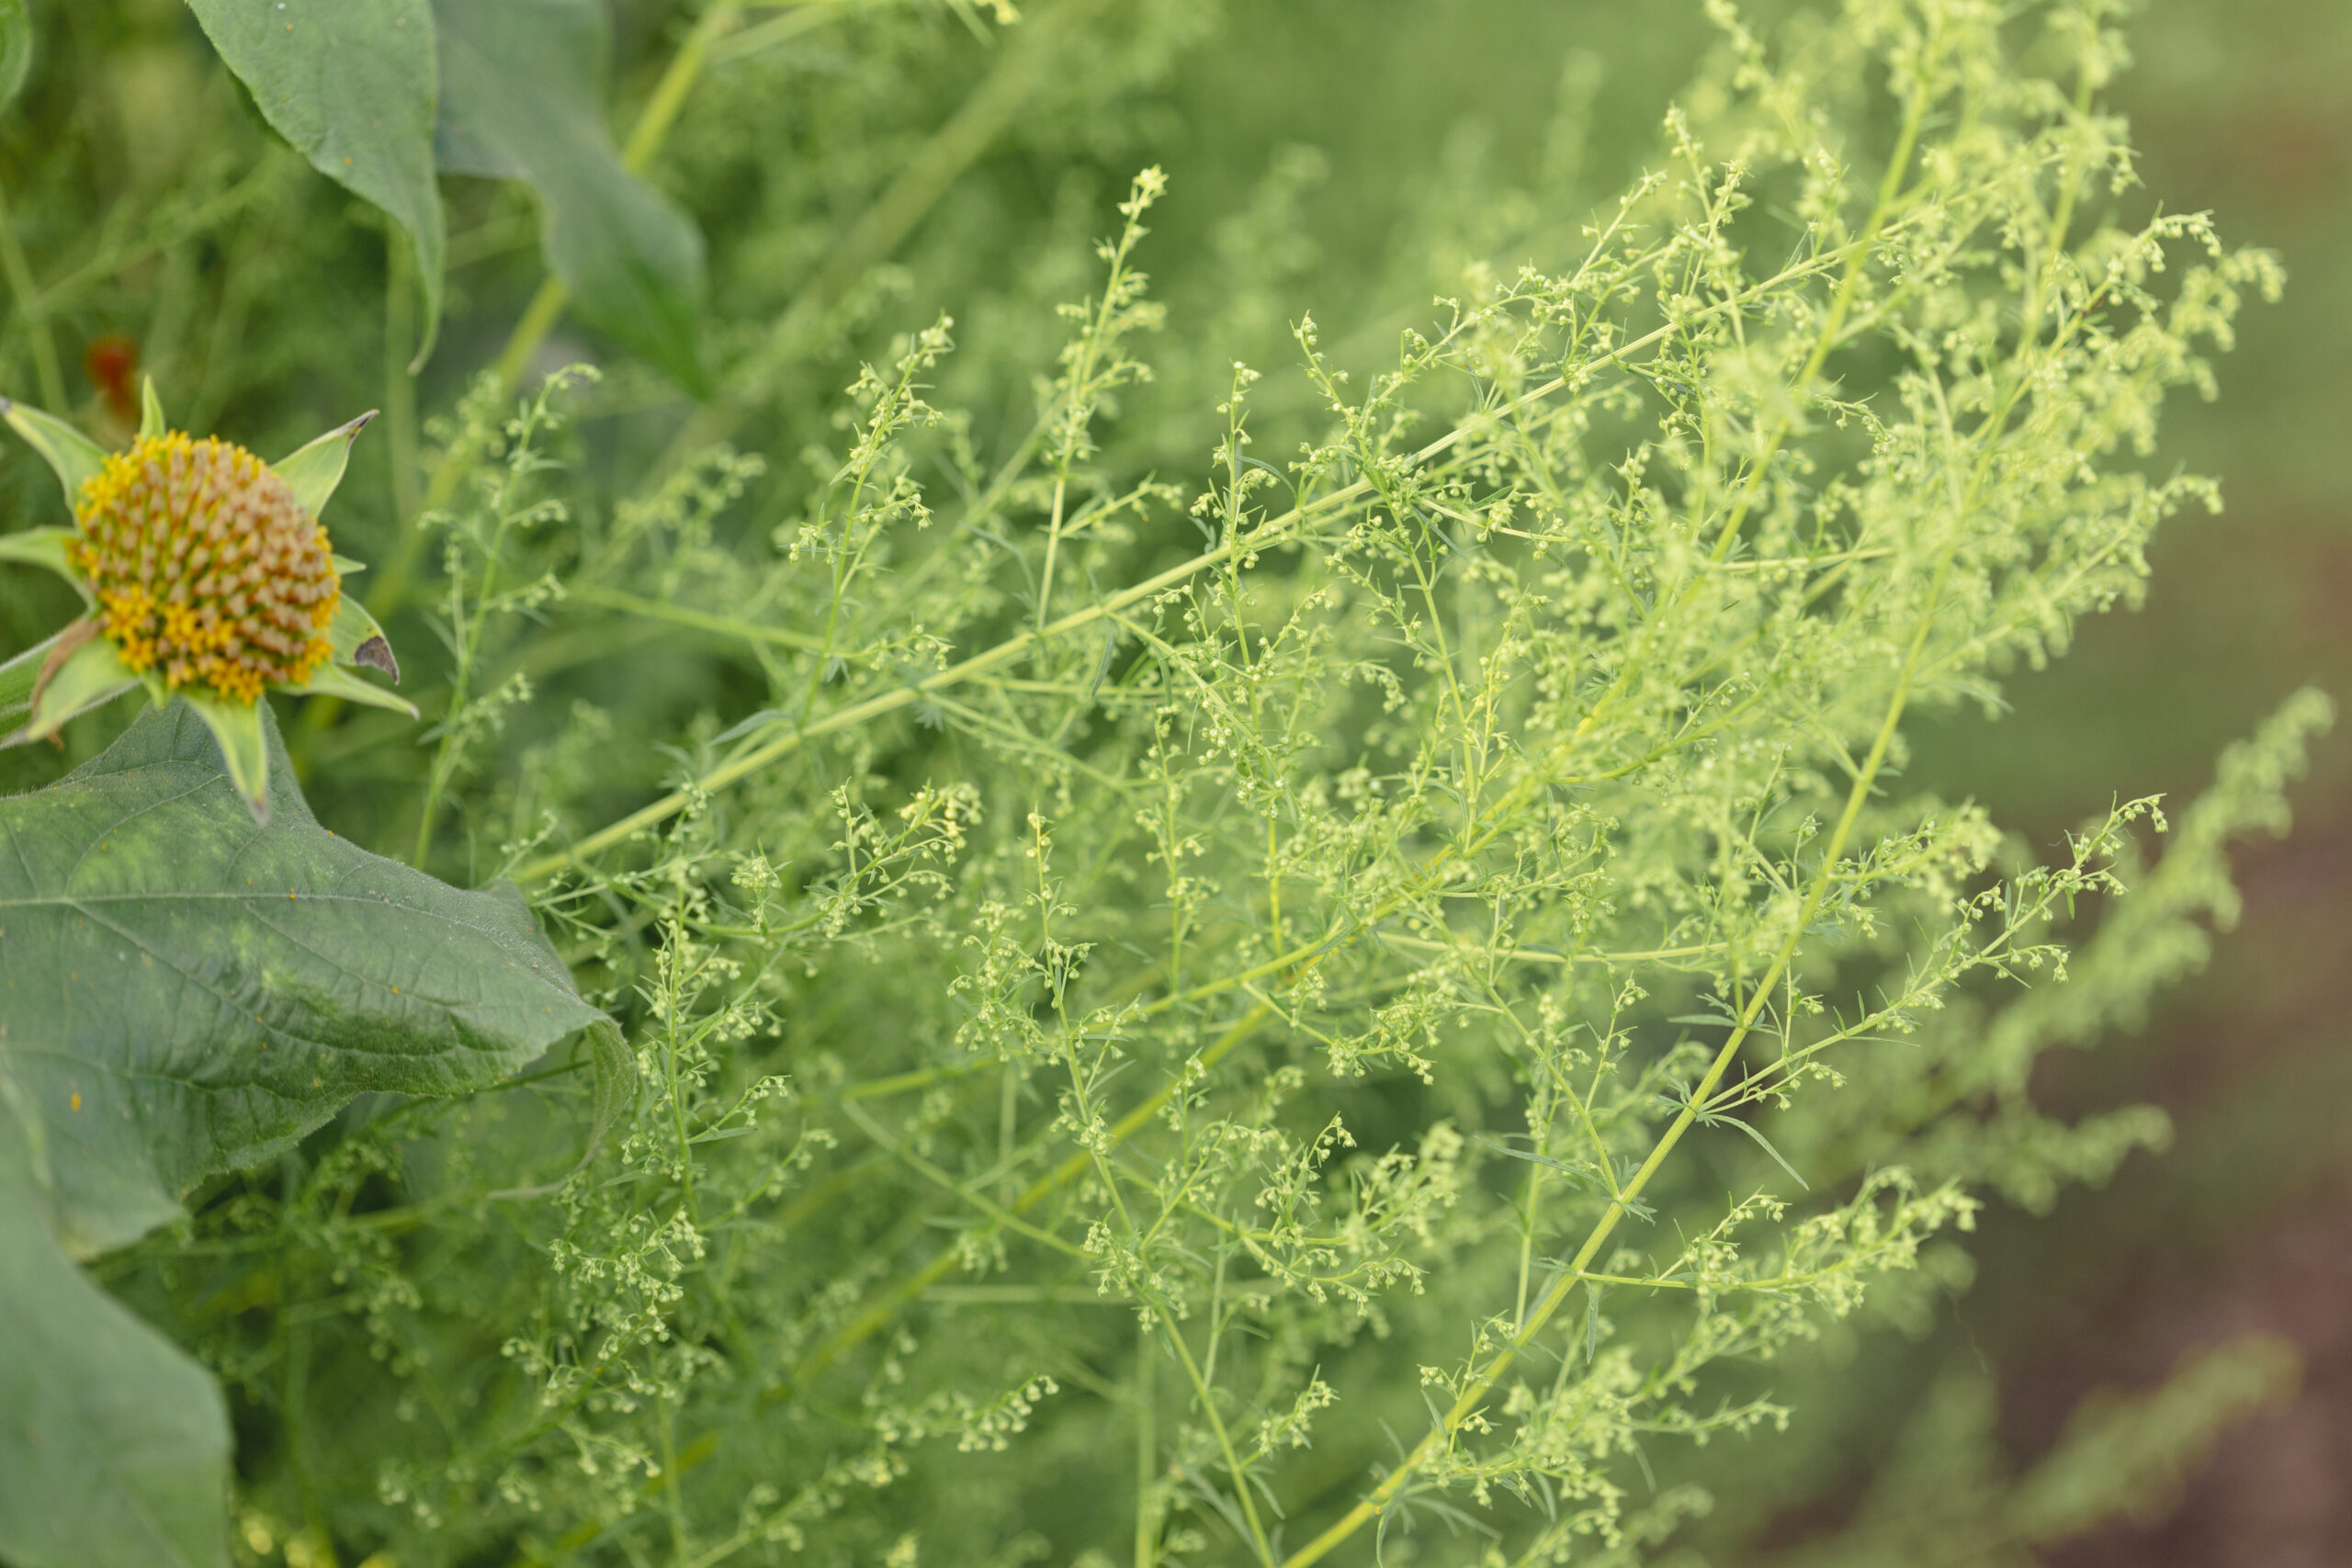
(187, 992)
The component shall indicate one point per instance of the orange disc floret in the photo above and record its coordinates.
(206, 567)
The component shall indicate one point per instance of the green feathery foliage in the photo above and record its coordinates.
(1346, 982)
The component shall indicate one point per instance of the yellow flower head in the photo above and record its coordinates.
(205, 579)
(206, 567)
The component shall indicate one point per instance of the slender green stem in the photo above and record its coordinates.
(1078, 411)
(962, 1189)
(680, 616)
(1207, 1397)
(1201, 1390)
(984, 115)
(30, 312)
(1528, 1325)
(112, 260)
(673, 1501)
(538, 319)
(886, 1304)
(1865, 775)
(466, 624)
(1147, 1454)
(399, 381)
(1475, 1393)
(546, 306)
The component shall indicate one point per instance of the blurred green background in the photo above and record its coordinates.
(1347, 157)
(2243, 109)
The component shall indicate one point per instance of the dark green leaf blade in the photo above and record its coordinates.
(521, 82)
(187, 991)
(114, 1447)
(352, 84)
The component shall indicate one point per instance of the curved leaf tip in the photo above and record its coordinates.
(317, 467)
(75, 459)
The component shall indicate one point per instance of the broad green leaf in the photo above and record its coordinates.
(114, 1446)
(187, 992)
(352, 84)
(317, 468)
(521, 90)
(76, 458)
(16, 49)
(91, 674)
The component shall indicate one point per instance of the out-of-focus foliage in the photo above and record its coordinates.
(1942, 1495)
(1263, 920)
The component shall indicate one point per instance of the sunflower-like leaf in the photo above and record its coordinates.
(76, 458)
(200, 994)
(292, 970)
(151, 410)
(334, 680)
(317, 468)
(244, 749)
(118, 1443)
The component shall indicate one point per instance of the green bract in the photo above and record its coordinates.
(203, 573)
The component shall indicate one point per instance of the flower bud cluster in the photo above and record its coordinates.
(206, 566)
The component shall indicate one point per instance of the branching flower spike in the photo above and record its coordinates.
(205, 574)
